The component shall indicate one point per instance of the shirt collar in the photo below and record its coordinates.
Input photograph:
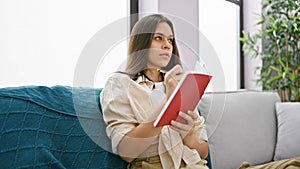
(143, 80)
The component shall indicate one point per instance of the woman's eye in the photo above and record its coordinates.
(158, 38)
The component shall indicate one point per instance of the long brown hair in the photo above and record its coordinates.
(140, 41)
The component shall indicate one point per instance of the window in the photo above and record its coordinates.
(209, 29)
(42, 41)
(219, 22)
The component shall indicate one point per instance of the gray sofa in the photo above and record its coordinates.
(62, 127)
(241, 126)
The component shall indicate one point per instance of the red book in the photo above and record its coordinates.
(186, 96)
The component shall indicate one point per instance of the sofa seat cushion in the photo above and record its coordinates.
(241, 126)
(53, 127)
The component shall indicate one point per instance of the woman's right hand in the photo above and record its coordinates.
(172, 78)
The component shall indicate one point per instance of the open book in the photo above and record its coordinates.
(186, 96)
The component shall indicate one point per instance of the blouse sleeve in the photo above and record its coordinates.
(117, 113)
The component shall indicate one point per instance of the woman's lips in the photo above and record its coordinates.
(165, 55)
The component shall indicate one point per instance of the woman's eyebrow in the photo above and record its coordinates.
(162, 34)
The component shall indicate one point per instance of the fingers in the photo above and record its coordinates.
(175, 73)
(176, 70)
(172, 78)
(181, 127)
(193, 114)
(188, 117)
(172, 81)
(184, 129)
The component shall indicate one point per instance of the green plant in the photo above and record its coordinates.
(279, 47)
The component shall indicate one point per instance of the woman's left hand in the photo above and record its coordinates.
(185, 129)
(190, 130)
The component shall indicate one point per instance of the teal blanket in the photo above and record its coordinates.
(53, 127)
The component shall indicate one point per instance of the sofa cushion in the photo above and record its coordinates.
(53, 127)
(241, 126)
(288, 136)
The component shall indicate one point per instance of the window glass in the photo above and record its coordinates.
(41, 41)
(219, 23)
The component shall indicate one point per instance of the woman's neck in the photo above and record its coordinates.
(153, 74)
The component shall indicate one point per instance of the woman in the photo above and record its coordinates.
(131, 101)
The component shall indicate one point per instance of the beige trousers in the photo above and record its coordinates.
(154, 163)
(293, 163)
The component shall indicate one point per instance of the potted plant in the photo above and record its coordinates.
(280, 47)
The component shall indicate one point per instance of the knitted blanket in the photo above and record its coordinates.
(53, 127)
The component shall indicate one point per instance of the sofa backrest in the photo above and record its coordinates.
(241, 126)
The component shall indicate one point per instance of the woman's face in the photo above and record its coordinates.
(161, 47)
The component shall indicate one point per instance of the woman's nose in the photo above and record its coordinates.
(166, 44)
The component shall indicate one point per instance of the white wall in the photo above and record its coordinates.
(41, 40)
(252, 10)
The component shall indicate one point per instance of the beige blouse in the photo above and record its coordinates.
(126, 103)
